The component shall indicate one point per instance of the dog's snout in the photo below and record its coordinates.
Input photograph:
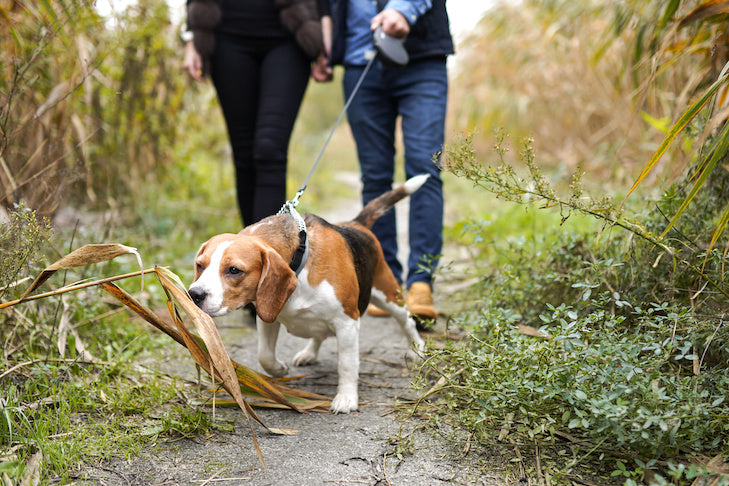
(197, 294)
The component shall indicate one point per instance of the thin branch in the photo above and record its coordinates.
(74, 287)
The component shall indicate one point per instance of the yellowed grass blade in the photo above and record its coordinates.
(76, 286)
(676, 129)
(720, 227)
(143, 311)
(705, 9)
(219, 362)
(266, 391)
(86, 255)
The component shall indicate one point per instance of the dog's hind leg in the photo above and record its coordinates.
(308, 355)
(401, 315)
(387, 295)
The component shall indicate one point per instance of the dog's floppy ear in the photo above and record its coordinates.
(197, 255)
(276, 285)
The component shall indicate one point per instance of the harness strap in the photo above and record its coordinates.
(298, 261)
(301, 255)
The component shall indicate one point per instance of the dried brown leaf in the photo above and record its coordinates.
(219, 363)
(705, 10)
(530, 331)
(86, 255)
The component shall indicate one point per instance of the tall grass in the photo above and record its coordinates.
(580, 79)
(87, 112)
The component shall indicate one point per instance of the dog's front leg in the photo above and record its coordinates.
(346, 399)
(267, 336)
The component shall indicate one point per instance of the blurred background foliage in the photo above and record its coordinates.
(87, 109)
(94, 109)
(596, 84)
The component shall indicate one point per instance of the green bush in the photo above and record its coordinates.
(616, 341)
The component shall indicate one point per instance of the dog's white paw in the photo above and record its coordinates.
(344, 403)
(304, 357)
(276, 368)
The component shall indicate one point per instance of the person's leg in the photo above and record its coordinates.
(284, 76)
(372, 117)
(422, 92)
(234, 71)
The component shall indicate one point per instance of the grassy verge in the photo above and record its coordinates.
(74, 390)
(594, 354)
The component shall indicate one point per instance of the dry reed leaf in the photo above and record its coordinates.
(57, 94)
(715, 466)
(207, 350)
(267, 392)
(705, 10)
(86, 255)
(7, 178)
(219, 362)
(141, 310)
(207, 330)
(530, 331)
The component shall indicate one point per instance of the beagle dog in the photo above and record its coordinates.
(335, 271)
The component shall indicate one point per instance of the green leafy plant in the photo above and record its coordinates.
(593, 344)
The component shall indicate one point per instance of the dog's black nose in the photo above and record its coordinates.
(197, 294)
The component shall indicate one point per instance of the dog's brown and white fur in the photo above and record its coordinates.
(344, 271)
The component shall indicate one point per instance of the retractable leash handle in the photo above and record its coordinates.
(390, 50)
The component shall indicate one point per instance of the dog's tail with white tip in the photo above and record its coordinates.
(381, 204)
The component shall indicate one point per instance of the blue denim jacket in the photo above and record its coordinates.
(429, 29)
(358, 37)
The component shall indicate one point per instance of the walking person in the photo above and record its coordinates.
(417, 94)
(258, 54)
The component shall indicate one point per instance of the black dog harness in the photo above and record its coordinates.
(301, 255)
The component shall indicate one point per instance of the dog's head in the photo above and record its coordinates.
(234, 270)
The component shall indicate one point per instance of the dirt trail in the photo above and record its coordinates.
(370, 446)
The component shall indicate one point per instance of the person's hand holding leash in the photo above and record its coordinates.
(192, 62)
(393, 23)
(321, 71)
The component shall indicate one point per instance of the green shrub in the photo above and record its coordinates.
(614, 344)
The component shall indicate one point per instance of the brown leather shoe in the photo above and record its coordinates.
(420, 301)
(376, 311)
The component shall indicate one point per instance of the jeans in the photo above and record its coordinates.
(260, 85)
(417, 94)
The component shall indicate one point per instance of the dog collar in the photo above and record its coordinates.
(298, 261)
(301, 254)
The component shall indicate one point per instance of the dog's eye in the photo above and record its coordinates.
(199, 267)
(234, 271)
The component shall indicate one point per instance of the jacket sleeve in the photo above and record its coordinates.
(325, 10)
(411, 9)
